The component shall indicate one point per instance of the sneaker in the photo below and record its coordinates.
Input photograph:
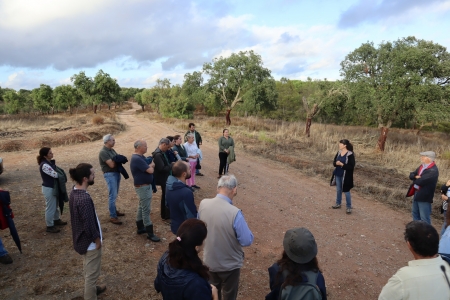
(349, 211)
(100, 289)
(115, 221)
(199, 174)
(119, 214)
(6, 259)
(196, 187)
(52, 229)
(218, 177)
(59, 222)
(336, 206)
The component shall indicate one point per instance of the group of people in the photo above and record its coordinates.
(426, 277)
(219, 229)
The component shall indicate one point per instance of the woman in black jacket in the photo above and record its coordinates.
(180, 273)
(344, 163)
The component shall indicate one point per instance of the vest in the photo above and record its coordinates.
(222, 251)
(47, 180)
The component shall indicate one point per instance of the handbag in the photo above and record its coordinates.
(198, 166)
(333, 180)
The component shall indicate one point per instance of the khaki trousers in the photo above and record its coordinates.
(91, 265)
(227, 283)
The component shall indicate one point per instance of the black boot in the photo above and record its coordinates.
(150, 234)
(140, 227)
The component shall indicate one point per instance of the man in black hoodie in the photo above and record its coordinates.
(179, 196)
(162, 171)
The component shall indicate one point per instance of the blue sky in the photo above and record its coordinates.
(139, 41)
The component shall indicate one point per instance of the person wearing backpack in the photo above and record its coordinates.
(296, 275)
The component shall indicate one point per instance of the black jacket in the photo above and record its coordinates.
(348, 168)
(427, 183)
(162, 167)
(119, 160)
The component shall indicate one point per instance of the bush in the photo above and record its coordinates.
(98, 120)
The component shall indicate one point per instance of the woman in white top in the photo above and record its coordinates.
(192, 155)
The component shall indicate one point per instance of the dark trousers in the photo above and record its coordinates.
(227, 283)
(165, 212)
(223, 162)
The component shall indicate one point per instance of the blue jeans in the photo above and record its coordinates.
(113, 183)
(421, 211)
(348, 197)
(3, 251)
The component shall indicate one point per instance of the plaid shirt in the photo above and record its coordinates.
(85, 229)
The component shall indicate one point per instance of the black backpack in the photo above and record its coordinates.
(303, 291)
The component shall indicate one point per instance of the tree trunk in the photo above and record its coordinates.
(95, 108)
(308, 126)
(227, 117)
(382, 139)
(143, 107)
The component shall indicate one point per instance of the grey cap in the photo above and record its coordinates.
(300, 245)
(429, 154)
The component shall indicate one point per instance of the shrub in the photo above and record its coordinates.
(98, 120)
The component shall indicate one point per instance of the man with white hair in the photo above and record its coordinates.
(111, 175)
(228, 232)
(424, 179)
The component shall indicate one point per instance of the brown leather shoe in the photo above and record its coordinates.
(59, 222)
(119, 214)
(115, 221)
(100, 289)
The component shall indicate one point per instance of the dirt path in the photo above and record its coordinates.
(357, 253)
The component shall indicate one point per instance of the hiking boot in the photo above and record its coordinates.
(115, 221)
(150, 235)
(199, 174)
(100, 289)
(119, 214)
(349, 211)
(196, 187)
(6, 259)
(52, 229)
(59, 222)
(336, 206)
(140, 227)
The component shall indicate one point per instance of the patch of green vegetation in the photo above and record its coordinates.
(265, 139)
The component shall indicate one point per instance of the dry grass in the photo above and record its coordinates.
(98, 120)
(382, 176)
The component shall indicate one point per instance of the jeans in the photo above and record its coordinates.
(348, 197)
(145, 199)
(51, 206)
(3, 251)
(91, 262)
(113, 183)
(421, 211)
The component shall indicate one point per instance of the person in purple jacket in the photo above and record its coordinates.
(181, 274)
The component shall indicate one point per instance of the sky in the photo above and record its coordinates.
(139, 41)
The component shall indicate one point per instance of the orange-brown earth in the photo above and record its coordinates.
(357, 253)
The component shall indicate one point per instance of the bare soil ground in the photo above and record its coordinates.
(357, 253)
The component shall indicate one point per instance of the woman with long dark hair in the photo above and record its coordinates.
(298, 265)
(344, 163)
(181, 274)
(225, 142)
(47, 168)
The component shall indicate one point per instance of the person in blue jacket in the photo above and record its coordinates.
(297, 264)
(179, 196)
(181, 274)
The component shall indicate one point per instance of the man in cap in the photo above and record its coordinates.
(228, 232)
(425, 276)
(424, 180)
